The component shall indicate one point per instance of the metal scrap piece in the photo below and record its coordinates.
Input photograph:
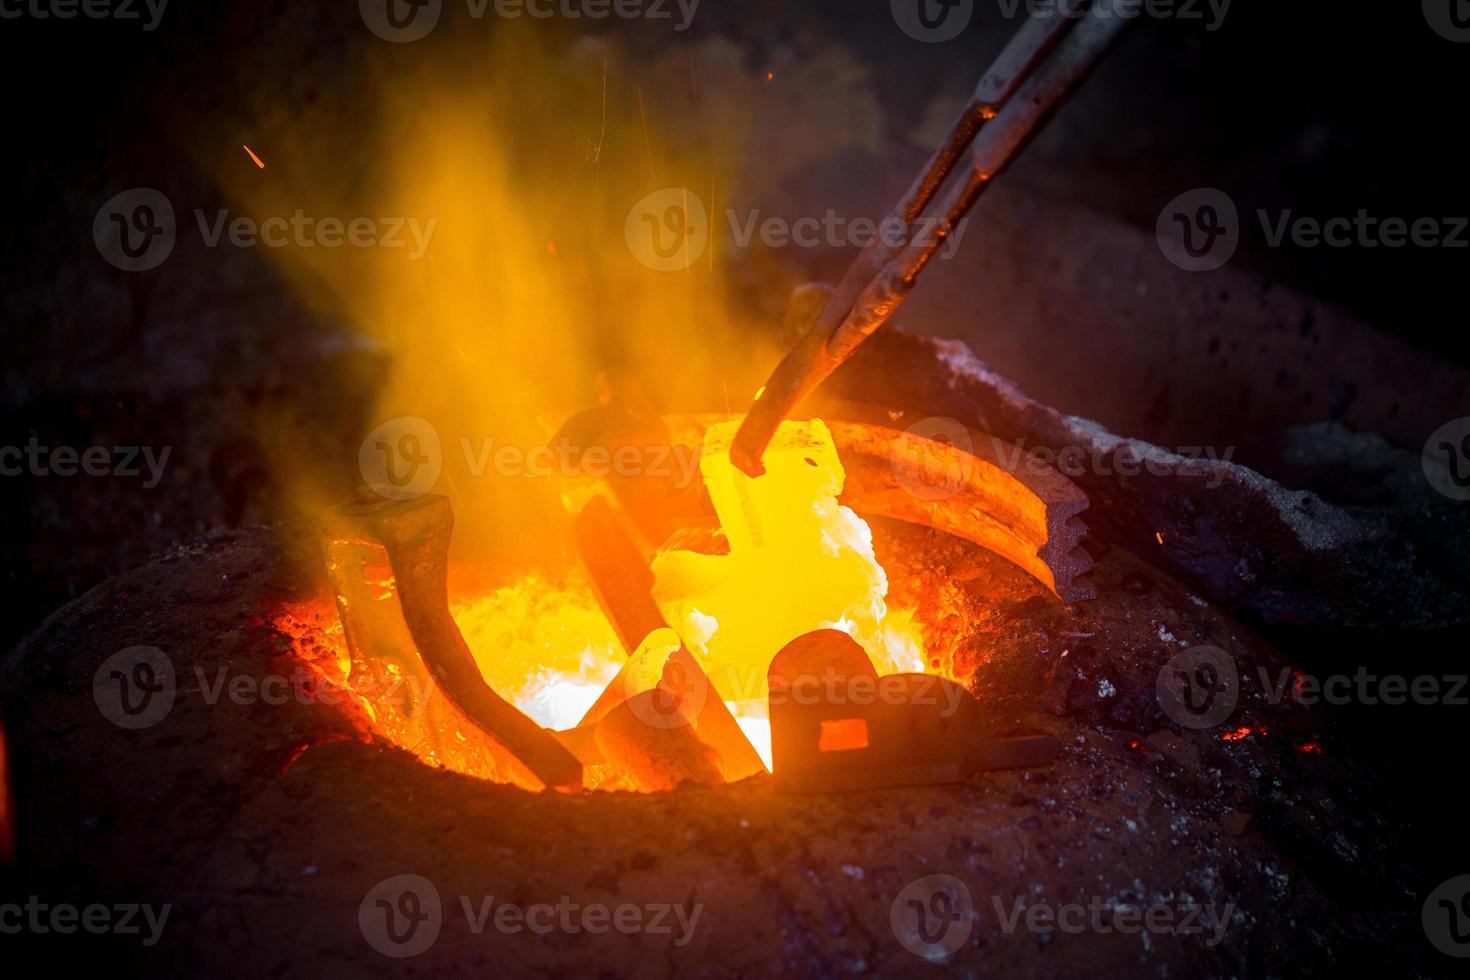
(1009, 502)
(658, 660)
(414, 534)
(846, 728)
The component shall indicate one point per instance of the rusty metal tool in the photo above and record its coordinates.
(414, 536)
(684, 697)
(620, 575)
(837, 726)
(1046, 60)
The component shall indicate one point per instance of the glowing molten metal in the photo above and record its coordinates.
(797, 561)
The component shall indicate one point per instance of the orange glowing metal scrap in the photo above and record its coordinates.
(795, 559)
(706, 746)
(386, 595)
(843, 735)
(697, 726)
(1014, 506)
(837, 725)
(412, 631)
(1027, 514)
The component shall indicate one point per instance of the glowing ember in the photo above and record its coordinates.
(542, 643)
(547, 648)
(798, 561)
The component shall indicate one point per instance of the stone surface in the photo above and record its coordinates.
(1252, 544)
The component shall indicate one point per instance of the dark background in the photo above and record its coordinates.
(1308, 106)
(1320, 107)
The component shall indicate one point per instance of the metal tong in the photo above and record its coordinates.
(1046, 60)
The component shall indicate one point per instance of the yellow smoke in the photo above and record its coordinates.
(516, 158)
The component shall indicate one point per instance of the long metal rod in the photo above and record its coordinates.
(1016, 61)
(1042, 64)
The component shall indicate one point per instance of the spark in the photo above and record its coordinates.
(258, 161)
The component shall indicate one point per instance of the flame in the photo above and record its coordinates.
(543, 645)
(798, 561)
(543, 642)
(554, 666)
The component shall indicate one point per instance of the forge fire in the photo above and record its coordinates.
(760, 489)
